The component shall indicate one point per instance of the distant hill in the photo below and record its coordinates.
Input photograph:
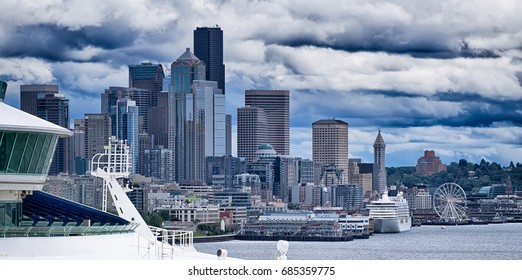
(468, 175)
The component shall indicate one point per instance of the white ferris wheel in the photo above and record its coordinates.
(449, 201)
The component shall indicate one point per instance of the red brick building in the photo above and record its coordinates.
(429, 164)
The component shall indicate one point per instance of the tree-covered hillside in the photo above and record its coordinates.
(468, 175)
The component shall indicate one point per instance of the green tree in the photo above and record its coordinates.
(164, 214)
(155, 220)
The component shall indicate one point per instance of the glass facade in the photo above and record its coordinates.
(208, 46)
(27, 153)
(185, 70)
(125, 125)
(204, 127)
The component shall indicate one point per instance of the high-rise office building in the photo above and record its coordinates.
(145, 143)
(29, 95)
(141, 96)
(147, 76)
(204, 128)
(54, 107)
(184, 71)
(208, 46)
(80, 163)
(228, 133)
(79, 159)
(159, 163)
(330, 147)
(150, 77)
(159, 121)
(124, 118)
(98, 130)
(251, 131)
(379, 157)
(276, 104)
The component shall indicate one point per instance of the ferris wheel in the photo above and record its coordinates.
(449, 202)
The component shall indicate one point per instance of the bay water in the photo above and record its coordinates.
(468, 242)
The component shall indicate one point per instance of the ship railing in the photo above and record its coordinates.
(167, 244)
(49, 231)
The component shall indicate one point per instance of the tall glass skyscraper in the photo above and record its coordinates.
(141, 96)
(205, 127)
(184, 71)
(147, 76)
(208, 46)
(124, 117)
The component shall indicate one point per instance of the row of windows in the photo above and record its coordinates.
(23, 152)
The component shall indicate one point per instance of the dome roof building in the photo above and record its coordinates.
(265, 151)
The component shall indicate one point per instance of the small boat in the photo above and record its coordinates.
(442, 227)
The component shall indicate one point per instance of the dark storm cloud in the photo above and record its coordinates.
(53, 43)
(375, 41)
(479, 114)
(398, 109)
(418, 43)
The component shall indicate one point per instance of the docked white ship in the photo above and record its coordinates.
(38, 225)
(390, 214)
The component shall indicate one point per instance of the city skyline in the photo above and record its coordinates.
(431, 76)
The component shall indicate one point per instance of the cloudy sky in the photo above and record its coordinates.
(438, 75)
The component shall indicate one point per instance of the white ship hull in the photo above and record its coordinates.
(125, 246)
(391, 225)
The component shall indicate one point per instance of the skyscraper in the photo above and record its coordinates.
(379, 157)
(147, 76)
(124, 117)
(159, 120)
(184, 71)
(45, 102)
(98, 129)
(79, 159)
(276, 105)
(145, 143)
(141, 96)
(150, 77)
(330, 147)
(208, 46)
(251, 131)
(228, 133)
(204, 128)
(29, 95)
(159, 163)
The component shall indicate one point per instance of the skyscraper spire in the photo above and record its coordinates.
(379, 157)
(379, 142)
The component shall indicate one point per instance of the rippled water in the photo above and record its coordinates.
(471, 242)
